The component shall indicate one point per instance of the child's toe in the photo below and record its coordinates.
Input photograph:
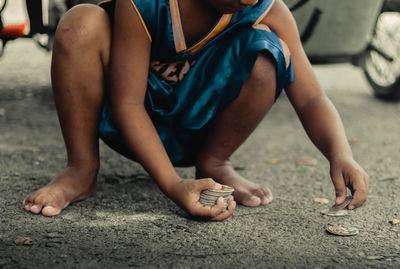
(267, 197)
(252, 200)
(37, 204)
(32, 204)
(36, 208)
(264, 194)
(267, 191)
(27, 205)
(247, 199)
(50, 210)
(265, 200)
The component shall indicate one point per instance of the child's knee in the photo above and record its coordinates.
(82, 27)
(262, 81)
(264, 69)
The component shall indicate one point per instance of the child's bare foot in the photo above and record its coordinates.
(70, 186)
(246, 192)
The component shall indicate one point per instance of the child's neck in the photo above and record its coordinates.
(198, 17)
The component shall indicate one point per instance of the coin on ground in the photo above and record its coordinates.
(306, 160)
(321, 200)
(342, 230)
(343, 205)
(334, 212)
(23, 241)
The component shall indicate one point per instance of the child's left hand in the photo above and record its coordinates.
(345, 172)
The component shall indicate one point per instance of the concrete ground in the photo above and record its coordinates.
(130, 223)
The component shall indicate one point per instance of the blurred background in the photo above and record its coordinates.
(354, 46)
(364, 33)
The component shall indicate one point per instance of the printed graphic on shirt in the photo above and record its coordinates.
(171, 72)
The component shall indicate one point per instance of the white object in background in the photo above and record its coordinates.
(52, 12)
(56, 9)
(45, 12)
(15, 12)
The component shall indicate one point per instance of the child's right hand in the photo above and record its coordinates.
(186, 193)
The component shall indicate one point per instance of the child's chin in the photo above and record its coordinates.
(230, 10)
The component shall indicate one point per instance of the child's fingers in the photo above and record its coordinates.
(207, 212)
(360, 191)
(340, 187)
(227, 213)
(224, 215)
(218, 208)
(205, 183)
(215, 212)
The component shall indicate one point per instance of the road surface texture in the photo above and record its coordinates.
(130, 223)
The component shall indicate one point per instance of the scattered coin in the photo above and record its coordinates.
(394, 222)
(342, 230)
(275, 161)
(387, 178)
(374, 257)
(343, 205)
(321, 200)
(354, 141)
(338, 210)
(306, 160)
(331, 212)
(23, 241)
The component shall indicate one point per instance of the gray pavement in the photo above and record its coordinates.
(129, 223)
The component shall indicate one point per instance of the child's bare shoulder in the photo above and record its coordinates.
(281, 21)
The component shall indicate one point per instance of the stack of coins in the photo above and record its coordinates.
(209, 197)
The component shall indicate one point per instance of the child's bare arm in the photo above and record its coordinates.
(317, 114)
(130, 56)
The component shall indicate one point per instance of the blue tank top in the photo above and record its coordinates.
(187, 87)
(162, 21)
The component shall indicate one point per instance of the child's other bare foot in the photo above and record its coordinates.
(246, 192)
(70, 186)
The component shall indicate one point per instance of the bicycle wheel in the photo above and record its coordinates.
(382, 59)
